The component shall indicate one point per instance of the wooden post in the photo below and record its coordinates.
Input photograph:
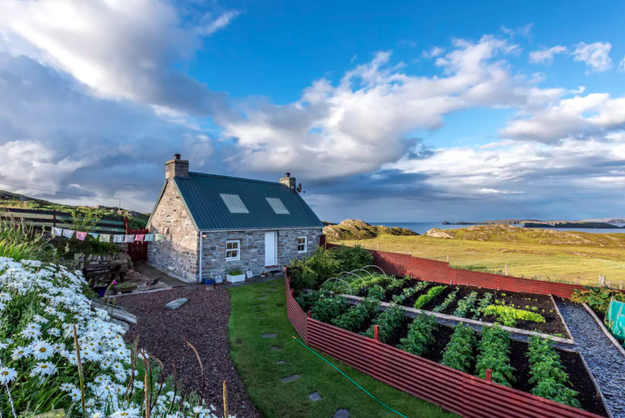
(448, 259)
(620, 286)
(376, 332)
(309, 314)
(53, 218)
(489, 375)
(225, 400)
(291, 292)
(410, 253)
(378, 247)
(506, 269)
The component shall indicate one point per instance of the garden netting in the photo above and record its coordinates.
(615, 319)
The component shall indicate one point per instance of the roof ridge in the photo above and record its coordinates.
(235, 178)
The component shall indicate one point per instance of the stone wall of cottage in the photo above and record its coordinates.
(252, 255)
(178, 252)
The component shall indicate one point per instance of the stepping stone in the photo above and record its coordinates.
(290, 378)
(262, 298)
(314, 396)
(282, 362)
(175, 304)
(276, 348)
(341, 413)
(272, 290)
(268, 335)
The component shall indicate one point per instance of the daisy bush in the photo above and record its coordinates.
(44, 317)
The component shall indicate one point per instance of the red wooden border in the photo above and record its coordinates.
(454, 391)
(440, 272)
(138, 251)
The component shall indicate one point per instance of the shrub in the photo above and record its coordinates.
(465, 305)
(459, 352)
(390, 322)
(494, 354)
(420, 335)
(448, 301)
(549, 378)
(431, 294)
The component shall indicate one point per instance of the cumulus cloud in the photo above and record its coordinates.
(434, 52)
(595, 55)
(545, 56)
(114, 49)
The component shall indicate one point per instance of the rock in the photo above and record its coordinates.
(268, 335)
(438, 233)
(290, 378)
(341, 413)
(175, 304)
(282, 362)
(276, 348)
(314, 396)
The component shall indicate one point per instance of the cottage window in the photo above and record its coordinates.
(302, 244)
(233, 250)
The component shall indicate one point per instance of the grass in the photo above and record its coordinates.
(573, 257)
(256, 364)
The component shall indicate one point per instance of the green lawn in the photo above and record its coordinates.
(256, 364)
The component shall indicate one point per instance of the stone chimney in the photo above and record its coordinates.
(176, 168)
(288, 181)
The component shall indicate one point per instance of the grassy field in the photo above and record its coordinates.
(256, 364)
(574, 257)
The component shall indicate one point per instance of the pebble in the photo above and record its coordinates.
(604, 360)
(268, 335)
(290, 378)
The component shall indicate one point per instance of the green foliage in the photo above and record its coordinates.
(328, 307)
(549, 379)
(235, 272)
(357, 316)
(20, 242)
(459, 352)
(597, 298)
(431, 294)
(308, 299)
(482, 305)
(508, 315)
(420, 335)
(69, 248)
(494, 354)
(466, 305)
(405, 294)
(448, 301)
(376, 292)
(390, 322)
(325, 264)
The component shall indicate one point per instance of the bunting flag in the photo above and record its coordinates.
(94, 235)
(105, 238)
(149, 238)
(118, 239)
(139, 237)
(57, 232)
(159, 237)
(81, 235)
(129, 238)
(68, 233)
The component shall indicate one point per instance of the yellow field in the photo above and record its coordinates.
(573, 257)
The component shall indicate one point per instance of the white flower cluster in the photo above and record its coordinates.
(39, 307)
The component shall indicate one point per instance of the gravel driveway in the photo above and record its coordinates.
(203, 321)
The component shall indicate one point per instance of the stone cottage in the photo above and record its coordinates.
(215, 224)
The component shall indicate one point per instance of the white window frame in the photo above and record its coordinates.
(305, 250)
(238, 249)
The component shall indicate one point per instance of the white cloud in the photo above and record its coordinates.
(546, 55)
(121, 50)
(434, 52)
(621, 66)
(524, 30)
(595, 55)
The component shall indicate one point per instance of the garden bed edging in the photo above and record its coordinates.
(604, 329)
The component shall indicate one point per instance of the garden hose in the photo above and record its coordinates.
(352, 380)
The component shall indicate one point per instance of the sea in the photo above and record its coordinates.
(423, 227)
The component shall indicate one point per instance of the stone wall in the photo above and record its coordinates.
(178, 252)
(252, 250)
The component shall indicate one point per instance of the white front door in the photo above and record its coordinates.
(271, 249)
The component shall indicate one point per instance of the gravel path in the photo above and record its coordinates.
(203, 321)
(605, 361)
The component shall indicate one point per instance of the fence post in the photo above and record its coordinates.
(291, 292)
(310, 314)
(506, 269)
(376, 333)
(448, 259)
(378, 247)
(54, 218)
(489, 375)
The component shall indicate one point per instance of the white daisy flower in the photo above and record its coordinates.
(67, 387)
(5, 296)
(127, 413)
(7, 375)
(42, 350)
(75, 394)
(45, 368)
(20, 352)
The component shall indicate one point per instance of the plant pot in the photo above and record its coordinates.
(100, 290)
(235, 279)
(208, 281)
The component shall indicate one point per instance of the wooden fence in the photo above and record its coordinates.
(440, 272)
(39, 219)
(454, 391)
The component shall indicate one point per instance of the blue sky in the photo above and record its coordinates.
(412, 111)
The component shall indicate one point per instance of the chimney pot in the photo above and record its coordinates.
(287, 174)
(288, 181)
(176, 168)
(176, 156)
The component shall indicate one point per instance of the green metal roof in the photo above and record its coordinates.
(202, 193)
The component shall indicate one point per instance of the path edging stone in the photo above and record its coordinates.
(604, 329)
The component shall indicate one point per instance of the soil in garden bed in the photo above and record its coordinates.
(582, 382)
(437, 350)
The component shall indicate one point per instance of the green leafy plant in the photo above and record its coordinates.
(597, 298)
(420, 335)
(508, 314)
(235, 272)
(376, 292)
(549, 379)
(329, 307)
(459, 352)
(308, 299)
(431, 294)
(484, 303)
(448, 301)
(355, 318)
(465, 305)
(494, 354)
(390, 322)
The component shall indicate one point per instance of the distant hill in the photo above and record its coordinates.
(354, 229)
(15, 200)
(508, 233)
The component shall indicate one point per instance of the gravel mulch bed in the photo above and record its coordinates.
(604, 360)
(203, 321)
